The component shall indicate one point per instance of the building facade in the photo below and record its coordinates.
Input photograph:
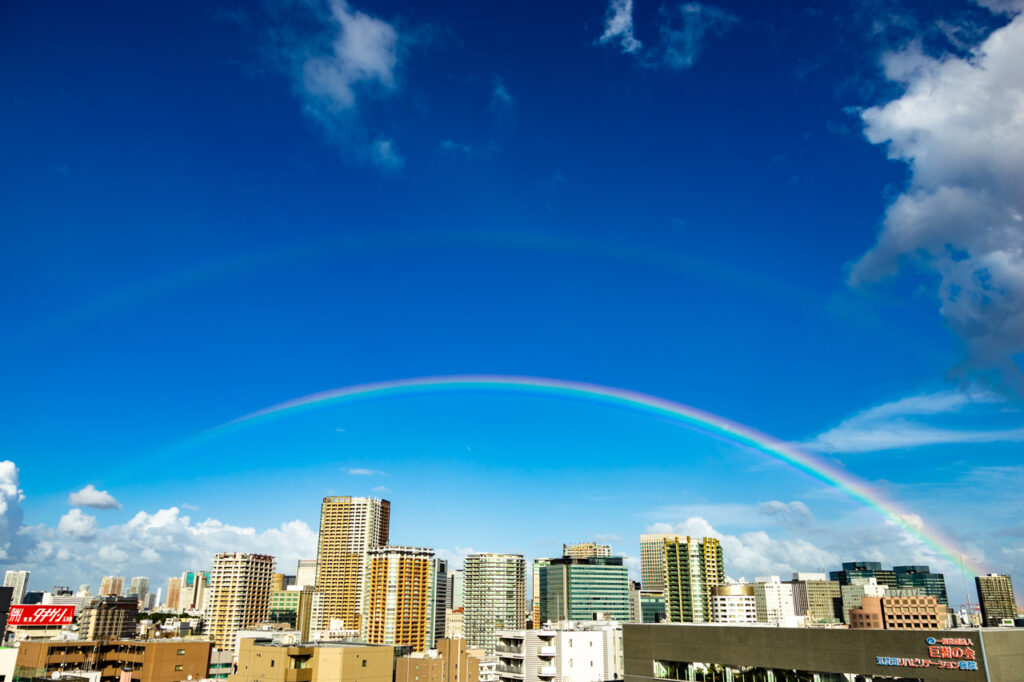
(995, 592)
(923, 580)
(495, 594)
(900, 613)
(816, 598)
(108, 618)
(773, 601)
(111, 586)
(692, 568)
(652, 560)
(733, 603)
(305, 573)
(293, 606)
(864, 569)
(564, 652)
(586, 550)
(349, 528)
(239, 594)
(580, 589)
(164, 660)
(322, 662)
(18, 582)
(401, 597)
(854, 593)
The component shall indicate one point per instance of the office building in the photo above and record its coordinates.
(454, 623)
(535, 617)
(108, 618)
(495, 597)
(852, 594)
(816, 598)
(349, 528)
(733, 603)
(773, 601)
(582, 589)
(293, 606)
(561, 652)
(260, 661)
(635, 609)
(154, 660)
(756, 653)
(305, 573)
(995, 592)
(192, 593)
(692, 568)
(456, 595)
(173, 593)
(652, 560)
(449, 662)
(923, 580)
(18, 582)
(401, 597)
(139, 589)
(652, 606)
(900, 613)
(239, 594)
(112, 586)
(586, 550)
(864, 569)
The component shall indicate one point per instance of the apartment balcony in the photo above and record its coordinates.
(516, 651)
(509, 671)
(546, 671)
(547, 650)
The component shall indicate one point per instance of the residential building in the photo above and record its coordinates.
(733, 603)
(401, 597)
(221, 663)
(108, 618)
(139, 589)
(320, 662)
(192, 594)
(652, 560)
(267, 633)
(455, 598)
(449, 662)
(293, 605)
(495, 594)
(535, 591)
(581, 589)
(900, 612)
(995, 592)
(852, 594)
(635, 608)
(18, 582)
(586, 550)
(305, 573)
(112, 586)
(561, 652)
(154, 660)
(349, 528)
(865, 569)
(816, 598)
(239, 594)
(173, 593)
(692, 567)
(774, 601)
(921, 578)
(454, 623)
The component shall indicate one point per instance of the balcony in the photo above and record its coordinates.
(509, 650)
(509, 671)
(546, 671)
(547, 650)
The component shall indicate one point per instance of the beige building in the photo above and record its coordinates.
(995, 592)
(173, 592)
(108, 618)
(111, 586)
(349, 528)
(652, 560)
(322, 662)
(450, 662)
(164, 660)
(239, 595)
(454, 623)
(816, 598)
(586, 550)
(401, 603)
(899, 613)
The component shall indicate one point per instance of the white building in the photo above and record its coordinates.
(305, 573)
(589, 651)
(859, 588)
(733, 603)
(19, 581)
(774, 601)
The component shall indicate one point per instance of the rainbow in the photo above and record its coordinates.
(635, 401)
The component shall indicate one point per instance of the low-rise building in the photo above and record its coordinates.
(108, 618)
(900, 613)
(449, 662)
(320, 662)
(162, 660)
(733, 603)
(589, 651)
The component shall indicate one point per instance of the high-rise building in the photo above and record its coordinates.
(995, 592)
(440, 571)
(921, 577)
(854, 593)
(293, 605)
(305, 573)
(111, 586)
(173, 593)
(18, 582)
(652, 606)
(692, 567)
(773, 600)
(239, 595)
(495, 597)
(816, 598)
(108, 618)
(733, 603)
(580, 589)
(652, 560)
(139, 589)
(538, 564)
(636, 614)
(864, 569)
(349, 528)
(192, 593)
(586, 550)
(456, 596)
(401, 597)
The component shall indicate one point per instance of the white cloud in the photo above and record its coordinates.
(457, 558)
(366, 472)
(500, 96)
(359, 59)
(380, 489)
(11, 516)
(618, 26)
(901, 424)
(78, 525)
(89, 496)
(959, 125)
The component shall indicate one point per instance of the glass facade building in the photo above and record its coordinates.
(578, 589)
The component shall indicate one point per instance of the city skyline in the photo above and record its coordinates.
(803, 221)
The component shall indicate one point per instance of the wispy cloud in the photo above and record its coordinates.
(380, 489)
(366, 472)
(500, 96)
(905, 423)
(89, 496)
(618, 26)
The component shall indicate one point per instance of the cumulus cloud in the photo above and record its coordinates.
(618, 26)
(355, 56)
(793, 513)
(904, 423)
(78, 525)
(682, 32)
(959, 125)
(456, 558)
(11, 516)
(89, 496)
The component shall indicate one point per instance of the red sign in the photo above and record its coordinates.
(41, 615)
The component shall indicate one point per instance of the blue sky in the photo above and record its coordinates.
(804, 218)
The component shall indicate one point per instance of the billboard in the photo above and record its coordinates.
(41, 615)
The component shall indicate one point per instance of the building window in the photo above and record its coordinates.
(181, 652)
(178, 668)
(364, 662)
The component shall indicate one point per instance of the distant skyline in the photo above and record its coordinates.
(804, 219)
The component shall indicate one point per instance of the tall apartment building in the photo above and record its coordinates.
(652, 560)
(495, 597)
(586, 550)
(349, 528)
(239, 595)
(139, 589)
(733, 603)
(112, 586)
(579, 589)
(305, 573)
(18, 582)
(108, 618)
(816, 598)
(995, 592)
(692, 567)
(401, 597)
(773, 600)
(173, 593)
